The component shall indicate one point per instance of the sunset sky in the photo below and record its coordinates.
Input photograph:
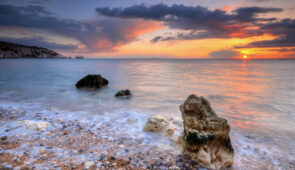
(154, 28)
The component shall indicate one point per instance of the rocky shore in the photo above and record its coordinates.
(35, 141)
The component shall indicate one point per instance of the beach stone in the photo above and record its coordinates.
(89, 164)
(93, 81)
(7, 166)
(175, 168)
(206, 136)
(156, 123)
(123, 93)
(102, 156)
(35, 125)
(3, 138)
(98, 165)
(15, 159)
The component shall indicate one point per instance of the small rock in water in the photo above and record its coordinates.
(92, 82)
(4, 138)
(35, 125)
(123, 93)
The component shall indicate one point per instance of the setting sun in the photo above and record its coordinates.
(245, 56)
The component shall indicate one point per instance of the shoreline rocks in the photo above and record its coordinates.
(123, 93)
(206, 136)
(158, 123)
(92, 81)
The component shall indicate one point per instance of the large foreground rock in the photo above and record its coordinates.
(206, 136)
(92, 82)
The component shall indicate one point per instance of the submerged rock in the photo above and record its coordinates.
(92, 82)
(35, 125)
(158, 123)
(206, 136)
(123, 93)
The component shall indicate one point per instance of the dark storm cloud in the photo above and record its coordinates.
(112, 32)
(224, 54)
(202, 22)
(249, 14)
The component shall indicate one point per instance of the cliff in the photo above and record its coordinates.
(10, 50)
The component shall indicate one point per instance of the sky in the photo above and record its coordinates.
(153, 29)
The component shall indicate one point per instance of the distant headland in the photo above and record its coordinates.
(11, 50)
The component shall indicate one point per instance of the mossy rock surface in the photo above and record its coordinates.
(193, 138)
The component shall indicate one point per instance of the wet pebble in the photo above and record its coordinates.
(174, 168)
(102, 156)
(4, 138)
(179, 158)
(180, 164)
(162, 168)
(81, 150)
(89, 164)
(7, 166)
(15, 159)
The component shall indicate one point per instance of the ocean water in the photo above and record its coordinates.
(257, 97)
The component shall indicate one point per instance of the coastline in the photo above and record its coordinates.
(56, 143)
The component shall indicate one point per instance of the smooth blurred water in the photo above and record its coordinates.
(256, 96)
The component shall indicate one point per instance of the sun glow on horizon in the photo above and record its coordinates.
(245, 57)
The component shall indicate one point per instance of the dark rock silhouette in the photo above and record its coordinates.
(123, 93)
(92, 82)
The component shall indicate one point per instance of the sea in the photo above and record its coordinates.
(257, 97)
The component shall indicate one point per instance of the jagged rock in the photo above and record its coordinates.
(92, 82)
(206, 136)
(122, 93)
